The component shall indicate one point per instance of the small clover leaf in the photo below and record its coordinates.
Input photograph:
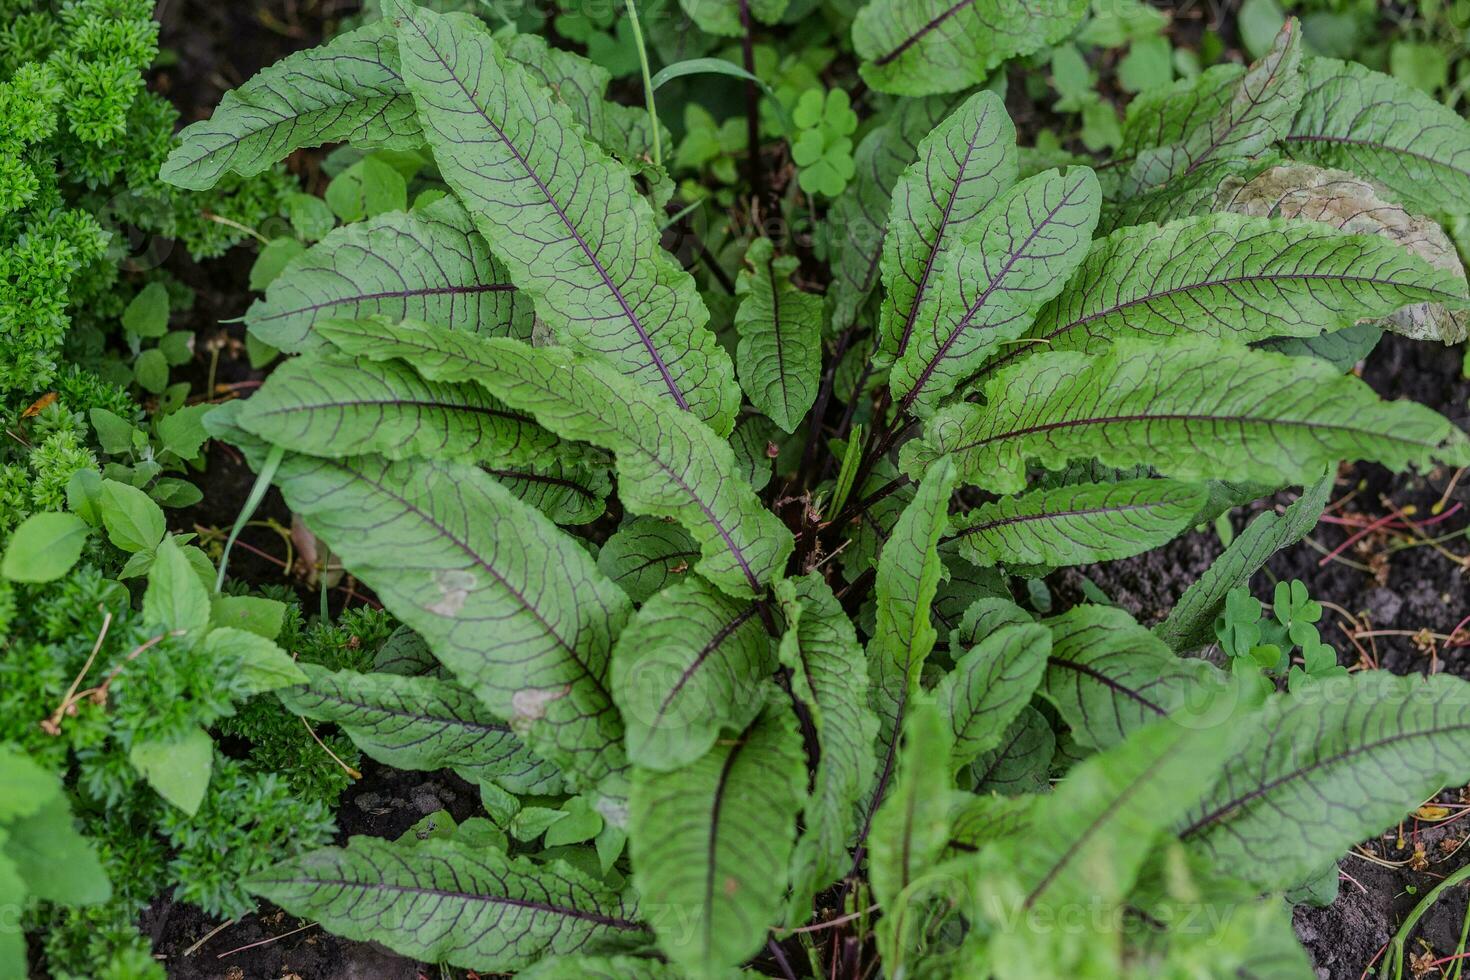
(823, 148)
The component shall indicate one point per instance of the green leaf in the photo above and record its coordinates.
(1190, 624)
(723, 16)
(255, 614)
(28, 786)
(567, 489)
(274, 257)
(451, 902)
(1373, 745)
(1365, 122)
(347, 90)
(1234, 278)
(1108, 676)
(114, 433)
(909, 573)
(256, 660)
(989, 686)
(182, 432)
(428, 264)
(691, 664)
(962, 166)
(669, 464)
(366, 189)
(150, 370)
(133, 522)
(911, 827)
(421, 723)
(1078, 524)
(1016, 255)
(780, 328)
(147, 314)
(448, 551)
(56, 862)
(175, 600)
(710, 844)
(828, 675)
(177, 768)
(533, 182)
(1020, 763)
(915, 47)
(1260, 22)
(1190, 409)
(1258, 112)
(327, 405)
(44, 547)
(1088, 840)
(646, 555)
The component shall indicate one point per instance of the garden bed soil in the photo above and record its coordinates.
(220, 45)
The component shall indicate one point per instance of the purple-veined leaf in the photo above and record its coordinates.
(692, 663)
(515, 609)
(1193, 410)
(1078, 524)
(565, 217)
(919, 47)
(962, 166)
(1363, 121)
(1372, 745)
(450, 902)
(828, 675)
(780, 329)
(710, 843)
(421, 723)
(989, 686)
(429, 264)
(668, 463)
(1014, 256)
(1108, 676)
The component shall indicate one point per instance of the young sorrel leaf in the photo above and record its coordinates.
(1073, 525)
(450, 902)
(1108, 676)
(780, 328)
(915, 47)
(1191, 623)
(328, 405)
(830, 676)
(1087, 841)
(909, 571)
(1233, 278)
(1020, 763)
(348, 90)
(421, 723)
(710, 844)
(1359, 120)
(911, 828)
(1016, 255)
(989, 686)
(1190, 409)
(669, 464)
(962, 166)
(566, 219)
(984, 616)
(571, 489)
(692, 662)
(858, 220)
(429, 264)
(448, 551)
(1258, 113)
(1373, 743)
(646, 555)
(724, 16)
(1165, 114)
